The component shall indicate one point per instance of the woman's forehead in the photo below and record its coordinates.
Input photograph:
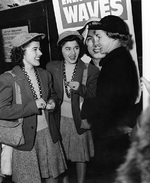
(33, 44)
(71, 43)
(91, 32)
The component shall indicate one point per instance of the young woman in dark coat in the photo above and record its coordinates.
(69, 76)
(41, 157)
(117, 86)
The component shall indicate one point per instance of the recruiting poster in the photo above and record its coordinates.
(7, 35)
(72, 14)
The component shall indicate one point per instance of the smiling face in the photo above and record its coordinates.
(70, 51)
(106, 43)
(93, 46)
(32, 54)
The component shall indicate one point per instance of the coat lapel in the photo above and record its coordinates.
(58, 71)
(22, 82)
(43, 83)
(79, 73)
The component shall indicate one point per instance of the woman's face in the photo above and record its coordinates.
(93, 46)
(105, 42)
(70, 51)
(32, 54)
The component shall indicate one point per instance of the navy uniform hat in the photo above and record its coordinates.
(111, 23)
(91, 20)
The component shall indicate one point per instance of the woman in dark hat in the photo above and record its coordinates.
(117, 86)
(40, 157)
(74, 82)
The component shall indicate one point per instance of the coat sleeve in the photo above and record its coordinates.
(9, 110)
(89, 90)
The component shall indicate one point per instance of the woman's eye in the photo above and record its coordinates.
(88, 39)
(98, 36)
(67, 48)
(35, 49)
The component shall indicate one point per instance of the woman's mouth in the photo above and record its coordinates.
(96, 50)
(72, 57)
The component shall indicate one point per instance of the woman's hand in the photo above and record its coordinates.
(50, 105)
(146, 83)
(74, 85)
(40, 103)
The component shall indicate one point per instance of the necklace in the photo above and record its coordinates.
(67, 89)
(30, 83)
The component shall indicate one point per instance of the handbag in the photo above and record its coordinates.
(11, 132)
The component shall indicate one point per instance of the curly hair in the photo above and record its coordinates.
(125, 40)
(17, 53)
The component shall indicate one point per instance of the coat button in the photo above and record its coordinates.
(32, 127)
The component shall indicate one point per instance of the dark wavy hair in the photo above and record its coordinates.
(17, 53)
(69, 38)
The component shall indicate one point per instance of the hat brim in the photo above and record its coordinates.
(96, 27)
(101, 27)
(67, 38)
(41, 35)
(90, 20)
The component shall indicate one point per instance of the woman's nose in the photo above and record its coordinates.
(73, 51)
(95, 40)
(39, 52)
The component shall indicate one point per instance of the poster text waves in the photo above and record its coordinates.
(76, 12)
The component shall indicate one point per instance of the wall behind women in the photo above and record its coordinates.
(39, 17)
(35, 17)
(137, 20)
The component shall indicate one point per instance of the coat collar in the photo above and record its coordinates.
(58, 72)
(119, 50)
(18, 74)
(79, 73)
(23, 83)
